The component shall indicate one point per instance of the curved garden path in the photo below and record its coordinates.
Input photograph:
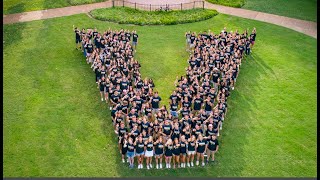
(305, 27)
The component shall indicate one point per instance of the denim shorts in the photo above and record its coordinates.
(130, 154)
(138, 154)
(174, 113)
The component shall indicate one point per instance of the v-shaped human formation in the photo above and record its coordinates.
(186, 131)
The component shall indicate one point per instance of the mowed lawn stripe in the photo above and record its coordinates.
(271, 115)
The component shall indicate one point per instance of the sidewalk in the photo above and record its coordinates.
(305, 27)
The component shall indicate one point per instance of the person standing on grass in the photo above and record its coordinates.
(121, 131)
(89, 49)
(176, 153)
(134, 40)
(201, 146)
(191, 150)
(183, 151)
(253, 37)
(168, 153)
(174, 108)
(124, 146)
(159, 147)
(78, 38)
(167, 130)
(197, 104)
(248, 43)
(208, 105)
(188, 35)
(213, 146)
(102, 85)
(155, 100)
(149, 150)
(130, 152)
(139, 151)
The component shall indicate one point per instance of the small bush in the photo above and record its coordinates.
(125, 15)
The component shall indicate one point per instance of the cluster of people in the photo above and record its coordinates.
(187, 131)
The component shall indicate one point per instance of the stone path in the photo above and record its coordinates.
(305, 27)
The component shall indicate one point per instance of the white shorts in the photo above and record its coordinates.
(191, 152)
(148, 154)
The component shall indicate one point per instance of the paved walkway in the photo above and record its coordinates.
(305, 27)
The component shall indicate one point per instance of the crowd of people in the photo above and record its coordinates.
(187, 131)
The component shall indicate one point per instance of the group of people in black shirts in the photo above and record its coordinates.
(185, 132)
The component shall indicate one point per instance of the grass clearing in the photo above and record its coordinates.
(55, 125)
(18, 6)
(299, 9)
(125, 15)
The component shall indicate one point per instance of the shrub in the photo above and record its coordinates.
(78, 2)
(231, 3)
(125, 15)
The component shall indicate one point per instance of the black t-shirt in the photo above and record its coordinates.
(145, 126)
(155, 102)
(159, 148)
(185, 112)
(77, 34)
(145, 138)
(166, 129)
(89, 48)
(95, 33)
(186, 104)
(192, 38)
(139, 84)
(139, 102)
(183, 147)
(191, 146)
(168, 150)
(124, 85)
(201, 146)
(139, 147)
(176, 149)
(135, 37)
(197, 132)
(207, 106)
(115, 98)
(253, 36)
(135, 134)
(119, 120)
(212, 144)
(176, 133)
(174, 106)
(128, 35)
(122, 131)
(130, 147)
(174, 97)
(210, 132)
(149, 146)
(197, 103)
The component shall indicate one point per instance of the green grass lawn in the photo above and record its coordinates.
(55, 124)
(125, 15)
(299, 9)
(18, 6)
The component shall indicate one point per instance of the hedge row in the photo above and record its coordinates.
(79, 2)
(231, 3)
(125, 15)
